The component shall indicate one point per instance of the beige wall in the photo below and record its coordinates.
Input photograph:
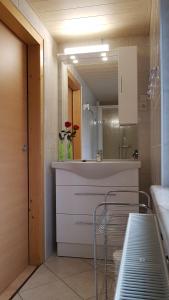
(164, 59)
(155, 99)
(50, 117)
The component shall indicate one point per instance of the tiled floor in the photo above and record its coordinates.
(60, 279)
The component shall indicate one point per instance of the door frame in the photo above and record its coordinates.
(19, 25)
(75, 86)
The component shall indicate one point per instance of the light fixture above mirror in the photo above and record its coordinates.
(86, 49)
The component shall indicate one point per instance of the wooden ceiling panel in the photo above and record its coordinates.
(51, 5)
(108, 21)
(114, 10)
(77, 19)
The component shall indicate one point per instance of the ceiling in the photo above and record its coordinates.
(76, 20)
(101, 78)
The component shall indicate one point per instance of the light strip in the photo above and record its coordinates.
(86, 49)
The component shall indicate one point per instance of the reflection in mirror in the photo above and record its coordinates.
(101, 131)
(119, 142)
(113, 140)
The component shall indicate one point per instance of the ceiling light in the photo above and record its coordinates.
(103, 54)
(104, 58)
(72, 57)
(83, 26)
(87, 49)
(75, 61)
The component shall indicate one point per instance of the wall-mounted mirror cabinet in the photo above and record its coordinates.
(98, 91)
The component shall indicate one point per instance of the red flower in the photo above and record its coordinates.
(67, 124)
(75, 127)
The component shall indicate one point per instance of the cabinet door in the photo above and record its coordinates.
(127, 85)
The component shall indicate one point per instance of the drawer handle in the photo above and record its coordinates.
(93, 194)
(83, 223)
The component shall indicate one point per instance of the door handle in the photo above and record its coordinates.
(93, 194)
(83, 223)
(121, 85)
(25, 148)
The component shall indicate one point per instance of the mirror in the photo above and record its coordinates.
(101, 131)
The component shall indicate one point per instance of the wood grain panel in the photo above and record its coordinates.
(17, 283)
(74, 111)
(14, 161)
(72, 82)
(36, 168)
(78, 20)
(51, 5)
(77, 120)
(70, 105)
(115, 10)
(11, 16)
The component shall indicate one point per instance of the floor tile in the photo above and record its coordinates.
(82, 283)
(100, 297)
(52, 291)
(76, 281)
(40, 277)
(65, 267)
(88, 260)
(16, 297)
(52, 257)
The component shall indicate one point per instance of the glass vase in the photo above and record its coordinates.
(69, 150)
(61, 151)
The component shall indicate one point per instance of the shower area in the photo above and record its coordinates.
(106, 135)
(118, 142)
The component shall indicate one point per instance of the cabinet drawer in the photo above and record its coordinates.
(83, 200)
(78, 229)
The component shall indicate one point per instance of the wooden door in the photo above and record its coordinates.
(74, 112)
(13, 157)
(77, 120)
(70, 105)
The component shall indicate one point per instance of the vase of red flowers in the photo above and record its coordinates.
(61, 146)
(69, 150)
(61, 151)
(70, 133)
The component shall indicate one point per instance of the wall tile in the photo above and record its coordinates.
(155, 117)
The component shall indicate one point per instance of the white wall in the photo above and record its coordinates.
(89, 132)
(50, 118)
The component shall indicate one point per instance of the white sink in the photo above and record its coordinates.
(94, 169)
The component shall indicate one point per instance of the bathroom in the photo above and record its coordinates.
(109, 153)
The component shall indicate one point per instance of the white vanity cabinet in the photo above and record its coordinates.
(76, 198)
(127, 85)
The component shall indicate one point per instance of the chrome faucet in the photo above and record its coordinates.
(135, 154)
(99, 155)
